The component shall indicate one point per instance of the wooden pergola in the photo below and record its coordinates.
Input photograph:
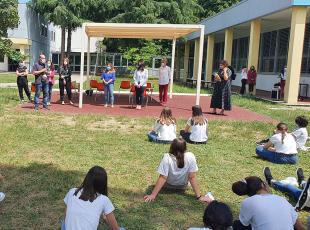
(140, 31)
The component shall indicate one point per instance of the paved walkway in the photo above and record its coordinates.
(180, 105)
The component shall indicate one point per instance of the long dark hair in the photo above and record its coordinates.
(178, 148)
(218, 216)
(95, 182)
(197, 116)
(141, 65)
(249, 186)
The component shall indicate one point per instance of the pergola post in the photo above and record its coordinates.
(200, 57)
(82, 68)
(172, 66)
(88, 58)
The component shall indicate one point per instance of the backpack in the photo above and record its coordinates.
(233, 74)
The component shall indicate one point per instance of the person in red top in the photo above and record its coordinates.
(252, 75)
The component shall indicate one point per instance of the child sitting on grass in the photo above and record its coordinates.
(301, 133)
(164, 129)
(176, 169)
(87, 203)
(281, 147)
(199, 127)
(217, 216)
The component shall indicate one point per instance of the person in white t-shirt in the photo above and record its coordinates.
(217, 215)
(281, 147)
(164, 129)
(263, 210)
(196, 130)
(89, 202)
(301, 133)
(176, 169)
(140, 78)
(163, 80)
(244, 79)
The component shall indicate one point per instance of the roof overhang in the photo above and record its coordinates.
(147, 31)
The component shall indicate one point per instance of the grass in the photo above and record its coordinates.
(11, 78)
(43, 156)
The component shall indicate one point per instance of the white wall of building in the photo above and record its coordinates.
(76, 43)
(4, 65)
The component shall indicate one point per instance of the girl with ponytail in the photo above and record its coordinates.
(263, 210)
(176, 169)
(281, 147)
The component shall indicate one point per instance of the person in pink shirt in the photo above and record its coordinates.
(50, 78)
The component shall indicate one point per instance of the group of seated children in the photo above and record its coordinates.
(282, 147)
(196, 130)
(260, 211)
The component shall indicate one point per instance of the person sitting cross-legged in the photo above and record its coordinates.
(298, 189)
(196, 130)
(281, 147)
(217, 216)
(263, 210)
(165, 128)
(176, 169)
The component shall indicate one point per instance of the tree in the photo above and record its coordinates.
(212, 7)
(9, 20)
(63, 13)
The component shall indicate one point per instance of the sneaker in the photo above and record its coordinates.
(112, 106)
(304, 199)
(48, 103)
(268, 175)
(36, 109)
(71, 103)
(46, 107)
(300, 175)
(62, 102)
(106, 105)
(2, 196)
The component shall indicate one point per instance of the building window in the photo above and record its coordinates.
(268, 52)
(53, 36)
(240, 53)
(305, 66)
(1, 58)
(43, 30)
(218, 55)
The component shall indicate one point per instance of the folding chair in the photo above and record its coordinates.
(149, 89)
(33, 87)
(75, 87)
(93, 84)
(99, 88)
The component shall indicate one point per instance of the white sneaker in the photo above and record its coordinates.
(112, 106)
(106, 105)
(62, 102)
(2, 196)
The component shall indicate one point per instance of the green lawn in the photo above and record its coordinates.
(11, 78)
(42, 156)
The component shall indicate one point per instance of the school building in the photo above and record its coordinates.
(265, 33)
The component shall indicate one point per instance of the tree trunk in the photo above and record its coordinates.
(63, 44)
(69, 42)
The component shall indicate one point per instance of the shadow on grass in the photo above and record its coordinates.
(34, 200)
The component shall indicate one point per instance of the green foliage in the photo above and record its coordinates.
(149, 50)
(212, 7)
(9, 20)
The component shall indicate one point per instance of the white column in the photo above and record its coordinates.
(88, 58)
(172, 66)
(82, 68)
(201, 41)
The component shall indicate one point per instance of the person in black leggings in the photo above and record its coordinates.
(22, 81)
(140, 81)
(65, 81)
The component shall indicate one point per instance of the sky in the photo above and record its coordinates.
(23, 1)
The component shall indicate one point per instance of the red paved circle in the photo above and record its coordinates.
(180, 105)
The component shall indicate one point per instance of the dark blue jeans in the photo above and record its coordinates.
(289, 189)
(153, 137)
(50, 89)
(41, 87)
(274, 157)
